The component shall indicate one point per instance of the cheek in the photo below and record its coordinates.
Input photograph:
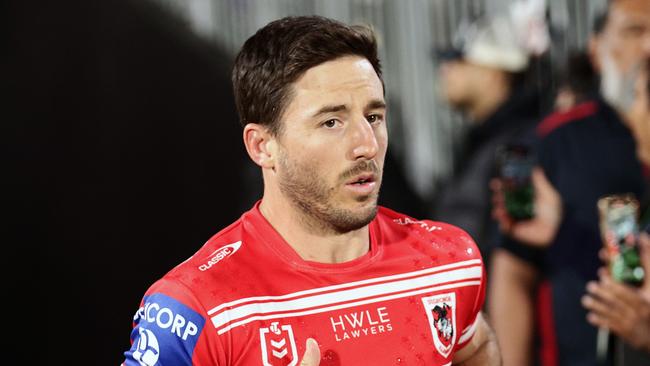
(456, 88)
(382, 143)
(627, 55)
(318, 166)
(382, 139)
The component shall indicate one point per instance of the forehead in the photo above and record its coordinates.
(625, 12)
(348, 81)
(347, 72)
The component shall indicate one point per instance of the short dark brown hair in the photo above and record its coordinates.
(282, 51)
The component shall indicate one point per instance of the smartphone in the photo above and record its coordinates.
(619, 227)
(515, 164)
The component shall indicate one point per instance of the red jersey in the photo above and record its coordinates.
(247, 298)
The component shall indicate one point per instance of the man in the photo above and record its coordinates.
(619, 307)
(484, 80)
(316, 268)
(585, 153)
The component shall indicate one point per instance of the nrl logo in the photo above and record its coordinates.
(280, 342)
(441, 311)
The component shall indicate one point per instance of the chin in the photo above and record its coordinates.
(367, 212)
(347, 220)
(362, 219)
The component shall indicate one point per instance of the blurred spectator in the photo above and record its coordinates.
(639, 114)
(586, 152)
(621, 308)
(485, 79)
(510, 274)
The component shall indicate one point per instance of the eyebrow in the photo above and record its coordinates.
(330, 109)
(374, 104)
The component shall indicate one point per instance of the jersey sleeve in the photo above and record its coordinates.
(168, 328)
(476, 296)
(468, 331)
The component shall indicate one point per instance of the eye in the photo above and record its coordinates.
(330, 123)
(374, 118)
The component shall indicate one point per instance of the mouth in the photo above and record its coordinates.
(362, 179)
(362, 184)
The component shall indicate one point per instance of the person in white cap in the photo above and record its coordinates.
(486, 78)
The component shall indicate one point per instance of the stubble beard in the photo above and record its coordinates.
(617, 87)
(308, 191)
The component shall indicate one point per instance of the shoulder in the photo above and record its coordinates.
(168, 326)
(219, 248)
(219, 264)
(443, 239)
(560, 121)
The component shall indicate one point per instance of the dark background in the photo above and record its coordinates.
(122, 155)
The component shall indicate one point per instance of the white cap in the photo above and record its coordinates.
(494, 44)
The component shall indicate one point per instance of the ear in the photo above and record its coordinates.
(260, 145)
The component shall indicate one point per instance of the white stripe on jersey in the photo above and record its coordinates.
(345, 305)
(347, 295)
(346, 285)
(469, 331)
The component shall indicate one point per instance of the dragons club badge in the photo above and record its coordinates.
(441, 311)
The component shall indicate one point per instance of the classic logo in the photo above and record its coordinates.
(147, 351)
(441, 311)
(278, 345)
(219, 255)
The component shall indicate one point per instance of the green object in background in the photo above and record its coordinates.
(626, 267)
(519, 202)
(620, 230)
(515, 167)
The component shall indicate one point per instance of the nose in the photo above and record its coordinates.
(363, 139)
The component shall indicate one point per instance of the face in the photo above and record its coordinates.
(456, 83)
(639, 115)
(622, 48)
(462, 82)
(627, 33)
(331, 149)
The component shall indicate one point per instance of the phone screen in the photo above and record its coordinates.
(515, 164)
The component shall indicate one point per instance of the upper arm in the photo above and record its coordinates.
(482, 349)
(167, 328)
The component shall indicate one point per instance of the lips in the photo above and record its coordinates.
(361, 179)
(362, 185)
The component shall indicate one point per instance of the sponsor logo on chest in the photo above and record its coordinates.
(361, 323)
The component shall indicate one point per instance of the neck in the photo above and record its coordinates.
(308, 237)
(487, 103)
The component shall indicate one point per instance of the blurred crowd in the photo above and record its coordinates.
(529, 181)
(114, 126)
